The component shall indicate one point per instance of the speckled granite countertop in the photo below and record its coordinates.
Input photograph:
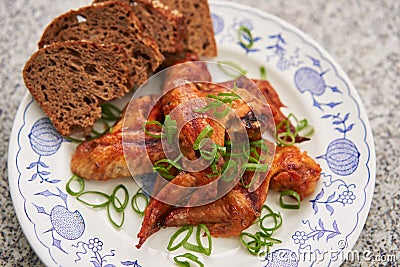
(364, 38)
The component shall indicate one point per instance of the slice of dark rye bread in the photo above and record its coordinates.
(197, 18)
(70, 80)
(106, 23)
(163, 25)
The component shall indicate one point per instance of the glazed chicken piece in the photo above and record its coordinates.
(295, 170)
(270, 95)
(181, 97)
(103, 158)
(227, 216)
(236, 211)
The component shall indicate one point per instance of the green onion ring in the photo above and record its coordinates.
(81, 185)
(244, 30)
(263, 73)
(79, 198)
(164, 172)
(190, 257)
(114, 196)
(290, 193)
(222, 65)
(206, 132)
(112, 220)
(152, 123)
(134, 204)
(189, 230)
(207, 251)
(277, 222)
(257, 167)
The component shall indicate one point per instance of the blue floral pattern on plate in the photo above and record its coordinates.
(65, 233)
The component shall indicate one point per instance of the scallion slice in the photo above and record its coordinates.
(256, 167)
(199, 248)
(188, 229)
(152, 123)
(206, 250)
(289, 193)
(190, 257)
(227, 66)
(73, 179)
(170, 126)
(134, 203)
(263, 73)
(120, 206)
(121, 213)
(206, 132)
(94, 194)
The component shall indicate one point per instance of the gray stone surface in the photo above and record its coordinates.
(364, 38)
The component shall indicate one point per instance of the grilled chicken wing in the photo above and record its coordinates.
(236, 211)
(271, 97)
(103, 158)
(227, 216)
(181, 97)
(295, 170)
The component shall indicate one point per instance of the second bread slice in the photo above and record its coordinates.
(107, 23)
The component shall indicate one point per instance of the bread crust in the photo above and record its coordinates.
(106, 23)
(160, 23)
(198, 22)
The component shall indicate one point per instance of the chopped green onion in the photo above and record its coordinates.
(205, 154)
(263, 73)
(108, 112)
(254, 245)
(260, 144)
(111, 218)
(94, 194)
(190, 257)
(304, 129)
(134, 202)
(248, 40)
(265, 207)
(226, 67)
(81, 182)
(171, 246)
(256, 167)
(207, 251)
(115, 197)
(229, 166)
(220, 99)
(288, 136)
(200, 248)
(206, 132)
(170, 126)
(222, 114)
(163, 172)
(107, 201)
(290, 193)
(152, 123)
(172, 163)
(260, 242)
(277, 218)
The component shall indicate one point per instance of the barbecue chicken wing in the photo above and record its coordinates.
(103, 158)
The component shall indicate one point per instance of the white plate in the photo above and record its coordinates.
(62, 231)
